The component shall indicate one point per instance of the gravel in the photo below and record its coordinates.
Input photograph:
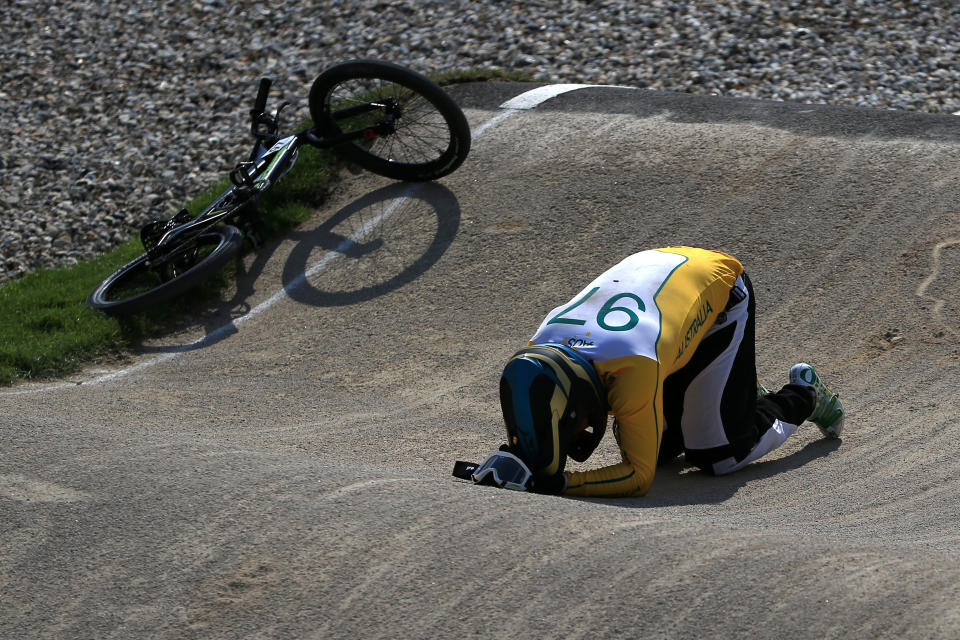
(116, 113)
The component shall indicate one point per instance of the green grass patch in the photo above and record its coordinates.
(47, 330)
(481, 75)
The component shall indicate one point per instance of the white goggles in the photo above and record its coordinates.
(503, 469)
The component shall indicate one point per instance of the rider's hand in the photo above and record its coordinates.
(552, 485)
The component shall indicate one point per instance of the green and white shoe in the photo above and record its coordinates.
(828, 414)
(761, 390)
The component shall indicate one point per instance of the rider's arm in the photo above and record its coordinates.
(635, 398)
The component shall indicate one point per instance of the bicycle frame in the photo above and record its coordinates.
(267, 165)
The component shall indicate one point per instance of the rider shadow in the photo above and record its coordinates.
(675, 485)
(376, 244)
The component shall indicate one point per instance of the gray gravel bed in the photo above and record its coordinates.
(116, 113)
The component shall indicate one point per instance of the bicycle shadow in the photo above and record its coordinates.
(378, 243)
(678, 484)
(383, 241)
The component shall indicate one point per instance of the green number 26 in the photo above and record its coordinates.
(607, 308)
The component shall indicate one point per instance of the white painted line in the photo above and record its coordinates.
(534, 97)
(492, 122)
(524, 101)
(530, 99)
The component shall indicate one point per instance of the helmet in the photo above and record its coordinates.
(545, 392)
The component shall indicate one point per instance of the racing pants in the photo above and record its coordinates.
(711, 410)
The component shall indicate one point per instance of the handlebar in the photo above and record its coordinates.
(261, 102)
(263, 126)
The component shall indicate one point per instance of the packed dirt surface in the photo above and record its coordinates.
(289, 474)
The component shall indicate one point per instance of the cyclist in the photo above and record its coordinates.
(663, 341)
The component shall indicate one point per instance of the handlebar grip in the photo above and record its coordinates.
(261, 102)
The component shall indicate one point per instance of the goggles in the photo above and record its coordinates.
(503, 469)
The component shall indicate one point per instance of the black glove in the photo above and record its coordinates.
(550, 485)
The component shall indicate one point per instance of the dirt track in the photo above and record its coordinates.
(290, 477)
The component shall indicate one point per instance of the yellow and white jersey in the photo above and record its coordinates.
(638, 322)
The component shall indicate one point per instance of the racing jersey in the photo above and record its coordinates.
(638, 322)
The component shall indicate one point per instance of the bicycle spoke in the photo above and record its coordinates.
(421, 132)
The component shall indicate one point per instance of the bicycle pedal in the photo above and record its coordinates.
(254, 237)
(151, 232)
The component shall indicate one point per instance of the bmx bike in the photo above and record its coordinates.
(386, 118)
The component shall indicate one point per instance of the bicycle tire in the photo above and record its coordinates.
(431, 137)
(112, 296)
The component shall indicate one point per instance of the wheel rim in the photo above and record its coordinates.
(135, 282)
(188, 256)
(144, 278)
(420, 135)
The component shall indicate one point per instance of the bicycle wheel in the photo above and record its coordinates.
(428, 135)
(137, 286)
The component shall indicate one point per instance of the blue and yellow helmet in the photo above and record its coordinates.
(545, 391)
